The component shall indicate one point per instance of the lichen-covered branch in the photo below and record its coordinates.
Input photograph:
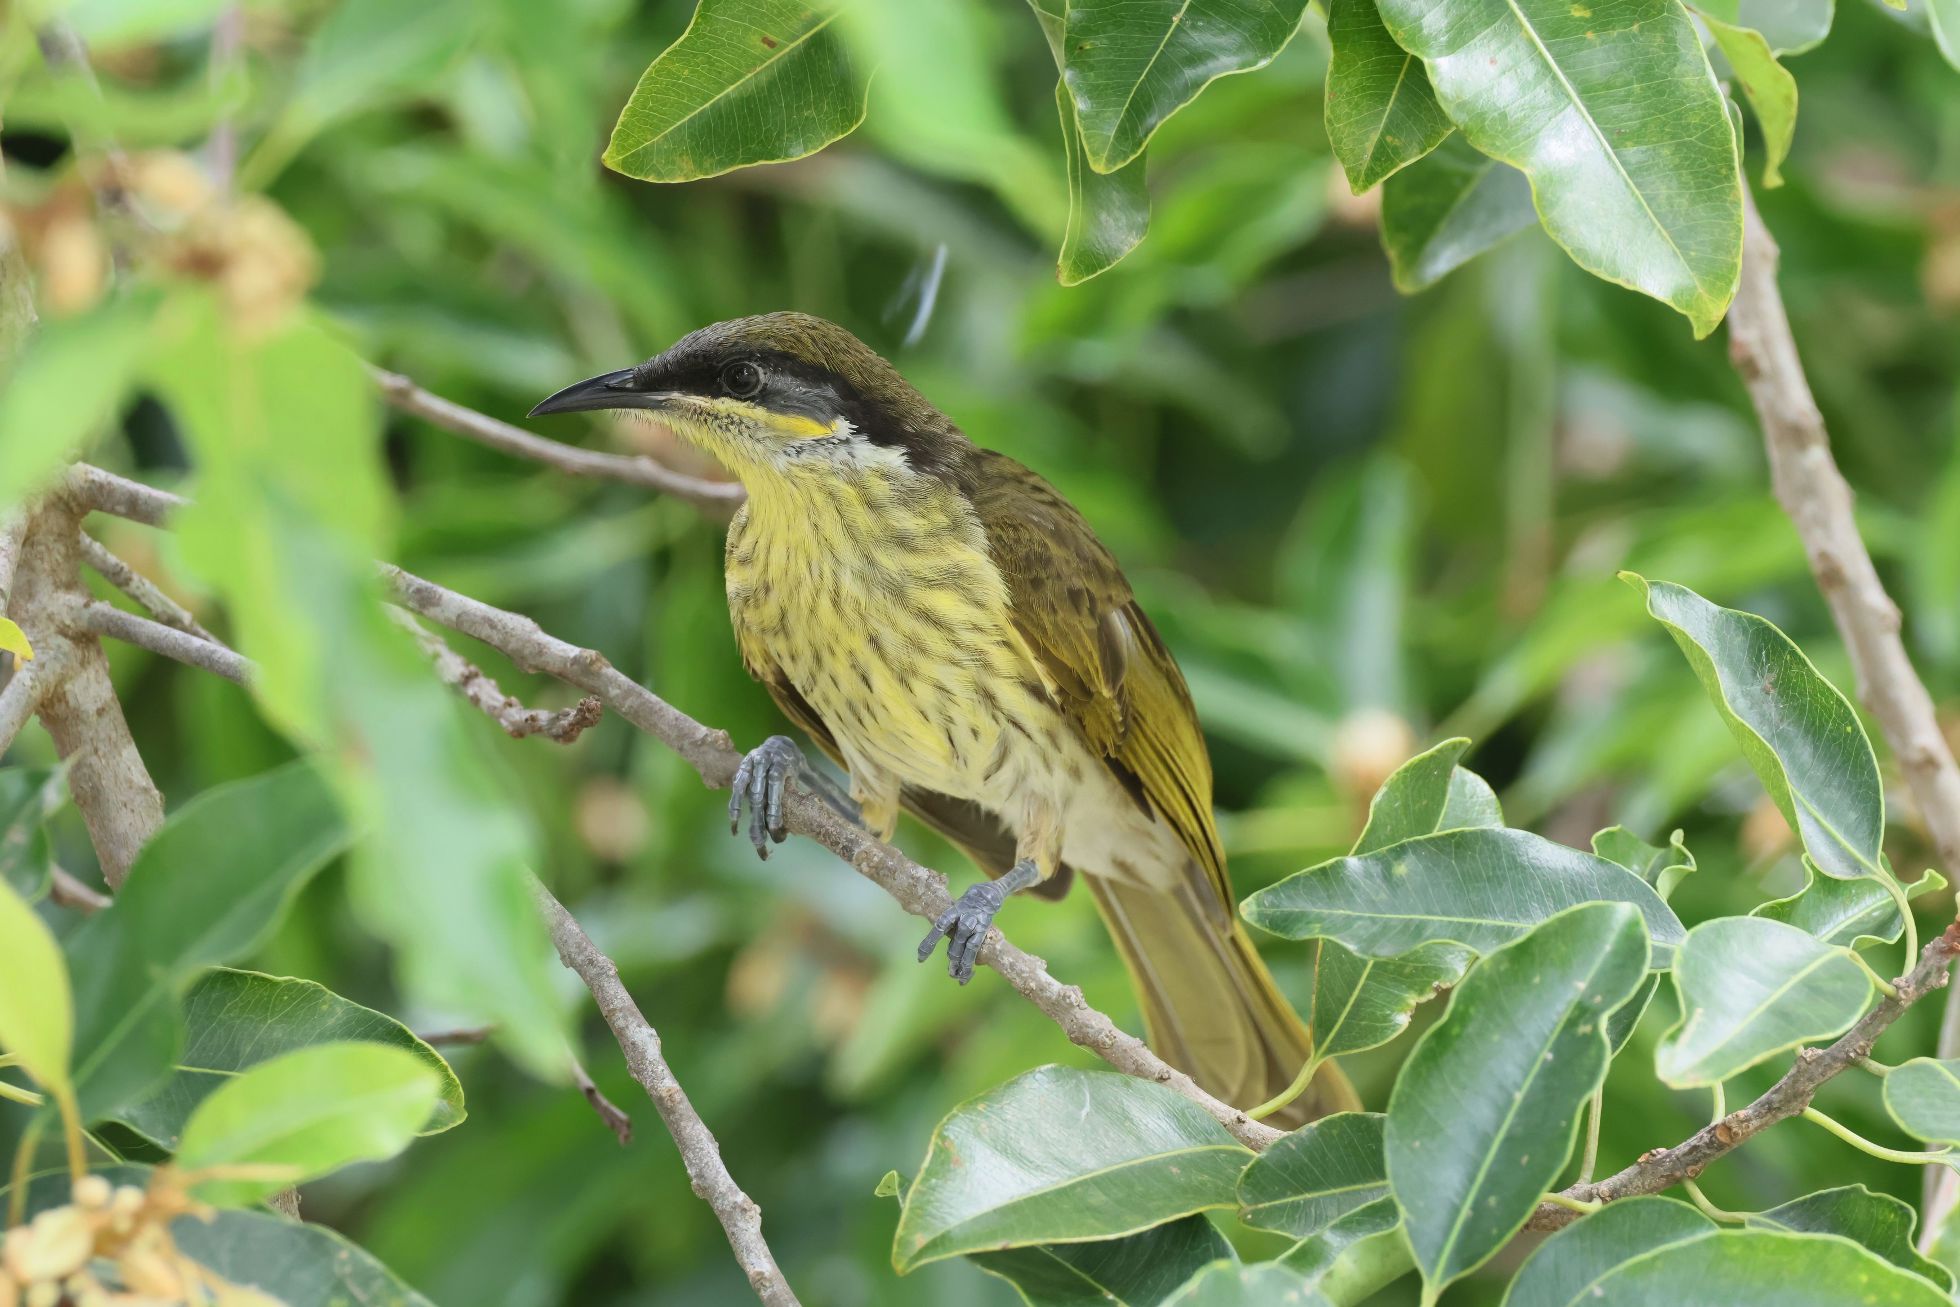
(139, 588)
(208, 655)
(562, 725)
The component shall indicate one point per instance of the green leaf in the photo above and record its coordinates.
(1879, 1222)
(1139, 1270)
(1641, 189)
(1746, 1268)
(63, 390)
(1798, 731)
(1357, 1253)
(37, 1009)
(1319, 1173)
(1361, 1003)
(1848, 912)
(1568, 1266)
(305, 1113)
(1477, 887)
(1790, 26)
(1228, 1284)
(207, 889)
(748, 82)
(1751, 988)
(888, 1186)
(28, 796)
(1447, 208)
(998, 1173)
(1108, 213)
(1923, 1096)
(1381, 114)
(1661, 868)
(237, 1019)
(1483, 1116)
(1770, 89)
(1943, 21)
(1417, 799)
(301, 1265)
(1130, 66)
(13, 641)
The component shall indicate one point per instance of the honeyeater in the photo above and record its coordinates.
(945, 626)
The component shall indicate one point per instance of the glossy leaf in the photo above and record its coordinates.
(1943, 21)
(1751, 988)
(999, 1174)
(1790, 26)
(28, 795)
(302, 1265)
(1477, 887)
(1767, 84)
(1482, 1119)
(1612, 112)
(1319, 1173)
(1567, 1267)
(1357, 1252)
(1130, 64)
(235, 1020)
(37, 1009)
(305, 1113)
(1923, 1096)
(748, 82)
(1751, 1268)
(1626, 1018)
(1381, 114)
(1417, 799)
(1228, 1284)
(1879, 1222)
(1108, 213)
(1447, 208)
(63, 390)
(1799, 733)
(1139, 1270)
(1847, 912)
(1661, 868)
(204, 891)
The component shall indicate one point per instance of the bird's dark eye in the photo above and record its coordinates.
(742, 379)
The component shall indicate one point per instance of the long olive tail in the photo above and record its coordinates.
(1210, 1007)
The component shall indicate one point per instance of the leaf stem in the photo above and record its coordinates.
(15, 1094)
(1721, 1103)
(1898, 894)
(23, 1164)
(1588, 1158)
(1877, 1068)
(1885, 986)
(1708, 1209)
(1572, 1204)
(1941, 1157)
(1288, 1094)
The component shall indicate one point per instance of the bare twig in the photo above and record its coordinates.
(616, 1120)
(69, 892)
(105, 492)
(1666, 1167)
(458, 1035)
(65, 55)
(99, 618)
(140, 588)
(918, 889)
(563, 725)
(24, 690)
(13, 532)
(221, 149)
(737, 1212)
(1818, 500)
(633, 469)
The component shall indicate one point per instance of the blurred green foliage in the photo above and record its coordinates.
(1364, 523)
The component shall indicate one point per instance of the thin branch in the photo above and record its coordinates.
(458, 1035)
(71, 893)
(740, 1218)
(13, 533)
(633, 469)
(1818, 500)
(99, 618)
(918, 889)
(24, 690)
(141, 589)
(563, 725)
(105, 492)
(616, 1120)
(1788, 1097)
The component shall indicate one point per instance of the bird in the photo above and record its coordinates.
(949, 630)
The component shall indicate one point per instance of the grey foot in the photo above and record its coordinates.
(761, 779)
(966, 923)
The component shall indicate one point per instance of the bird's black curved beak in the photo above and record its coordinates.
(607, 390)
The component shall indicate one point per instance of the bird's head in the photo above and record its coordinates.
(779, 395)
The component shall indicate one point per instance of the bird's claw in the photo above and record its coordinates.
(965, 926)
(761, 779)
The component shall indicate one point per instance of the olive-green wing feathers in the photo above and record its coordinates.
(1112, 674)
